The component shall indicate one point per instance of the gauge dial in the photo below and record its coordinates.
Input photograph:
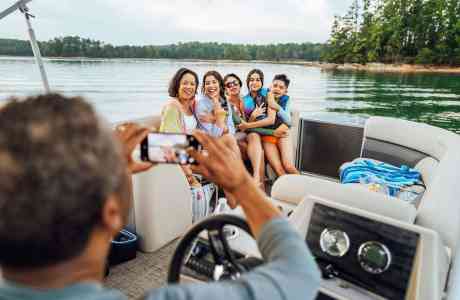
(374, 257)
(334, 242)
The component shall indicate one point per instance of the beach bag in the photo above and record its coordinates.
(202, 199)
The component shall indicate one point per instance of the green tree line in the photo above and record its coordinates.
(397, 31)
(75, 46)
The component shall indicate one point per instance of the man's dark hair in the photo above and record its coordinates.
(174, 84)
(218, 77)
(234, 76)
(255, 71)
(283, 78)
(58, 165)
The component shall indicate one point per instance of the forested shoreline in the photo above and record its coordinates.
(416, 32)
(75, 46)
(397, 31)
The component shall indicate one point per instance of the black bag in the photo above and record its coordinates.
(124, 248)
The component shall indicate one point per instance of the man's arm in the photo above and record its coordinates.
(289, 272)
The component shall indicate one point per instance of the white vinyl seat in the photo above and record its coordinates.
(293, 188)
(160, 195)
(162, 206)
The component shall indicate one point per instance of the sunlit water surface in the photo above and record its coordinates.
(127, 89)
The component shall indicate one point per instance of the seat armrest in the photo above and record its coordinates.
(293, 188)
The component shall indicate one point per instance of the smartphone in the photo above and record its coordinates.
(168, 148)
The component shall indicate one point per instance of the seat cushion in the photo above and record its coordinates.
(293, 188)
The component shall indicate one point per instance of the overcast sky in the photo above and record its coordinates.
(158, 22)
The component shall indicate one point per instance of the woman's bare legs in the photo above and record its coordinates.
(285, 148)
(255, 153)
(262, 172)
(243, 145)
(274, 158)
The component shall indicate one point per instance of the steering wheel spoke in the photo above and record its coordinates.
(225, 264)
(216, 243)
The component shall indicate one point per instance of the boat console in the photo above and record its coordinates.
(374, 256)
(367, 256)
(362, 255)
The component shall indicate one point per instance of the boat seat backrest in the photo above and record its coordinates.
(433, 151)
(425, 139)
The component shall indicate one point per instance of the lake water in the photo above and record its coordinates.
(125, 89)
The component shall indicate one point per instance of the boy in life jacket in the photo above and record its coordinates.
(278, 148)
(275, 136)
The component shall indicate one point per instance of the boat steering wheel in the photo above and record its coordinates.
(226, 266)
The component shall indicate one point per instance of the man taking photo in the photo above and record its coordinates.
(65, 193)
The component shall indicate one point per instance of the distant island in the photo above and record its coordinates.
(374, 35)
(75, 46)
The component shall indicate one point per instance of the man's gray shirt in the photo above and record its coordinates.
(290, 272)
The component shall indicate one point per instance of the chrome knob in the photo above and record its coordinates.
(374, 257)
(334, 242)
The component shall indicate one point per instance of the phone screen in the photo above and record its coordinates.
(167, 148)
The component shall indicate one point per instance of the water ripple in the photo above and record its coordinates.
(130, 88)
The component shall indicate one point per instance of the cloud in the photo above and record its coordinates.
(170, 21)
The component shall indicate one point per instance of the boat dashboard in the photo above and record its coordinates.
(373, 256)
(361, 256)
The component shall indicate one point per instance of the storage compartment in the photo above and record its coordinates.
(124, 248)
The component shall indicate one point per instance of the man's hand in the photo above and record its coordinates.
(130, 135)
(218, 163)
(259, 110)
(281, 131)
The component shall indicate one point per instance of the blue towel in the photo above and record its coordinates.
(391, 176)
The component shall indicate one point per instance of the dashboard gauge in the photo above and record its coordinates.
(334, 242)
(374, 257)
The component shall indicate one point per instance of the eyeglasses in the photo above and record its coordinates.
(231, 84)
